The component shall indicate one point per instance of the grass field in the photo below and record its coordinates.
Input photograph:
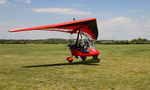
(43, 67)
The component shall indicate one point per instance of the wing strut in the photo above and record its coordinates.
(77, 38)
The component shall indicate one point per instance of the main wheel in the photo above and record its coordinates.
(95, 57)
(83, 58)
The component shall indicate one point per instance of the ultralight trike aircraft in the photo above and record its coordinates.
(86, 30)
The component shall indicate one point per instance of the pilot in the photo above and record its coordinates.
(79, 46)
(85, 47)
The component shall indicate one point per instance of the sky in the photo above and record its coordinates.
(116, 19)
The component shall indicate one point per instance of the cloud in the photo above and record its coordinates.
(122, 28)
(26, 1)
(118, 21)
(69, 11)
(3, 1)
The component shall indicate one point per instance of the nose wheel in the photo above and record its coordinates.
(70, 59)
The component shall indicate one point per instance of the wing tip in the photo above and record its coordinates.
(11, 31)
(16, 30)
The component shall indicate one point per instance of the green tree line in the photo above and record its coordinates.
(67, 41)
(134, 41)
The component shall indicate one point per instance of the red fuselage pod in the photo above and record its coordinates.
(92, 52)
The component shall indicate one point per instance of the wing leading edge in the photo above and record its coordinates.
(87, 26)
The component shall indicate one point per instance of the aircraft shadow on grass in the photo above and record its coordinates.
(87, 62)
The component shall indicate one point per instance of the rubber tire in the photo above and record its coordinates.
(95, 57)
(83, 58)
(70, 62)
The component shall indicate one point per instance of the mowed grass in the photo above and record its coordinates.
(44, 67)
